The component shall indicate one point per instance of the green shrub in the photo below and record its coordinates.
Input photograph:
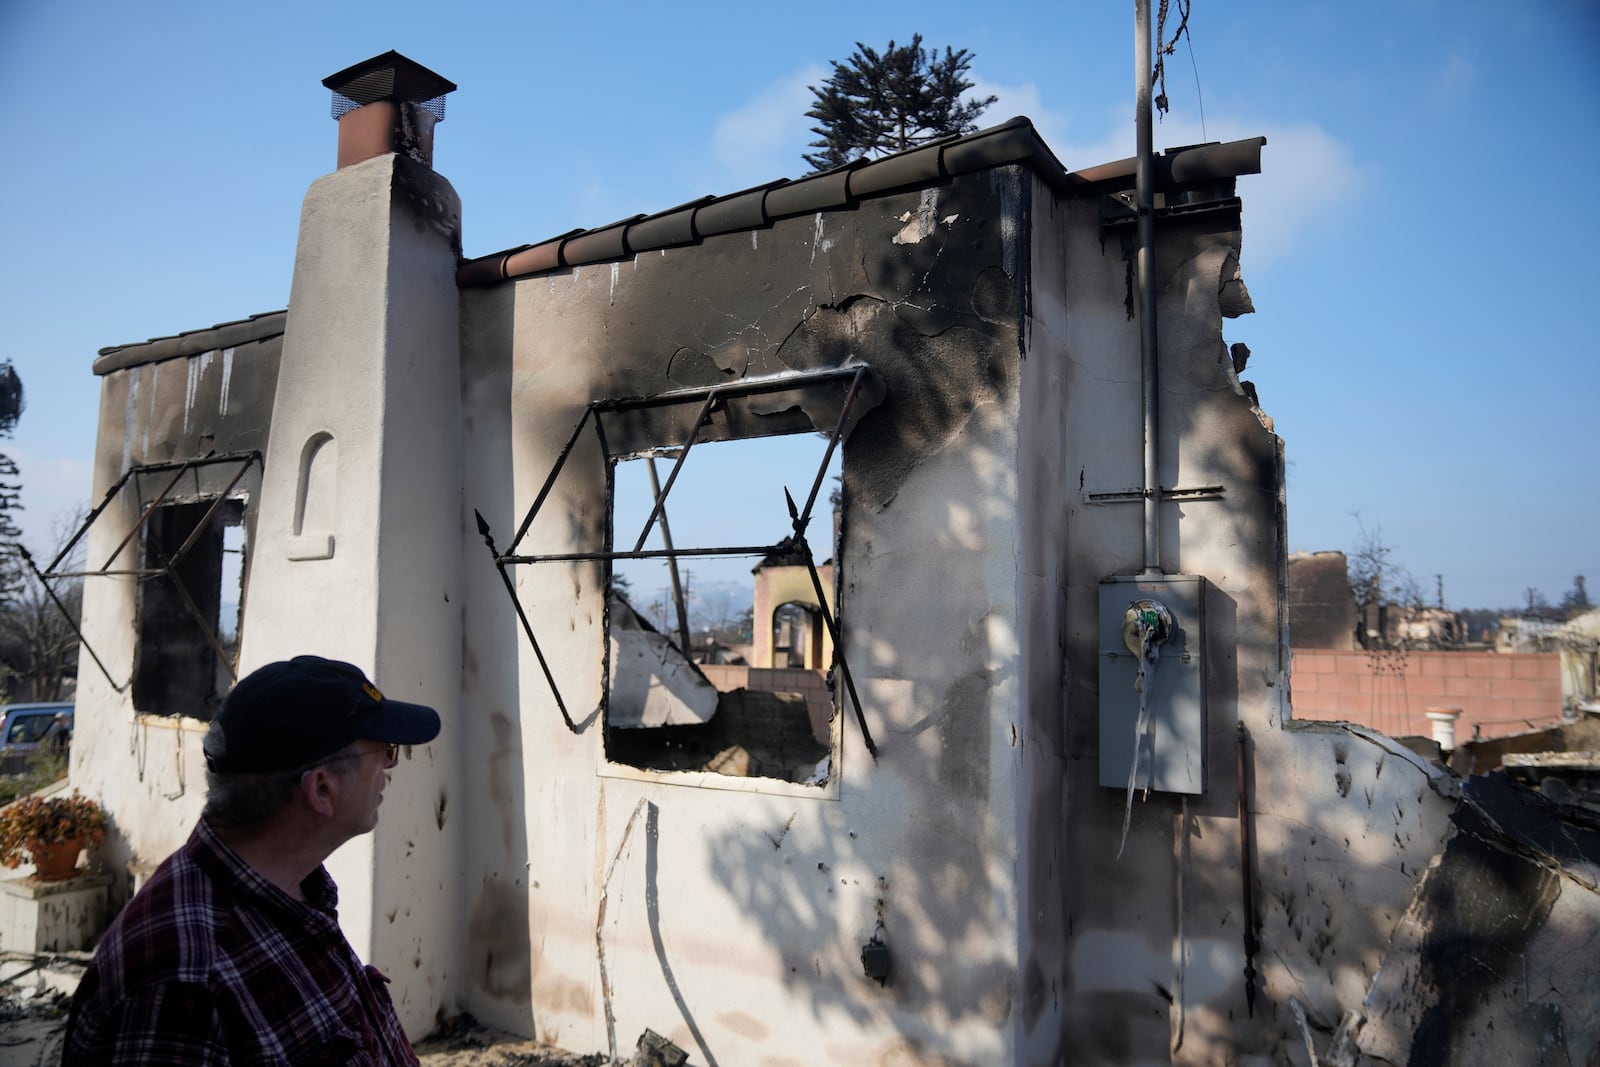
(43, 768)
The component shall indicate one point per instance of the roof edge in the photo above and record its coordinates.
(1214, 161)
(1013, 142)
(260, 327)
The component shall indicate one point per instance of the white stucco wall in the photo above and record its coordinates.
(1344, 825)
(518, 874)
(370, 360)
(736, 910)
(981, 836)
(369, 366)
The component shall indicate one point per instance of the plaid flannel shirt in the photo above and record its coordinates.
(211, 963)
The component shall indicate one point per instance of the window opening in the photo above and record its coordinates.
(730, 491)
(204, 507)
(797, 636)
(231, 586)
(664, 431)
(667, 706)
(181, 663)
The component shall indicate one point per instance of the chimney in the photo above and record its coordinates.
(387, 104)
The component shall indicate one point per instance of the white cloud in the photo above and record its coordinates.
(1024, 99)
(1307, 174)
(764, 138)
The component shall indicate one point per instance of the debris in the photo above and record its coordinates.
(462, 1041)
(656, 1051)
(33, 1020)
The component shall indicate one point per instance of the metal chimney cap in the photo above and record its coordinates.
(390, 76)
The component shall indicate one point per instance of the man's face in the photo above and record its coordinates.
(364, 775)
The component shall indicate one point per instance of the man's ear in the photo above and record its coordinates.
(319, 788)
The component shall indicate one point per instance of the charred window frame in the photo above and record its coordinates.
(183, 663)
(670, 425)
(193, 519)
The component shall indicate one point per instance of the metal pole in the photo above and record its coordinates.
(67, 615)
(661, 497)
(1144, 269)
(1252, 943)
(672, 561)
(522, 616)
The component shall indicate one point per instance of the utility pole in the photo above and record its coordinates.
(1144, 270)
(683, 623)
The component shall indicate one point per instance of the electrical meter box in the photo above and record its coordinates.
(1156, 717)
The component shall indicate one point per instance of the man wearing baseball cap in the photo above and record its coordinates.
(232, 952)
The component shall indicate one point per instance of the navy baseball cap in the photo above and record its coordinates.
(292, 713)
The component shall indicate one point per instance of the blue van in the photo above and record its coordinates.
(26, 728)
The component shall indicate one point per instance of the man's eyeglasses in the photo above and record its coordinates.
(390, 753)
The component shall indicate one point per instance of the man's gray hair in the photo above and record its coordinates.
(246, 799)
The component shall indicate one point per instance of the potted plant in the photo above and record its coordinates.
(50, 831)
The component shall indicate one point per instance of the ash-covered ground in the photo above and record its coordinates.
(33, 1019)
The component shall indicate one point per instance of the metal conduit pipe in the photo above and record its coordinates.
(1144, 272)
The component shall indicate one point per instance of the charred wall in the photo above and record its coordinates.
(1155, 956)
(766, 892)
(212, 408)
(1322, 610)
(205, 397)
(1159, 966)
(1492, 960)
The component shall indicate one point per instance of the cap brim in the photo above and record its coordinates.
(399, 723)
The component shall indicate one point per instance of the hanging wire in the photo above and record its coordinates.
(1166, 46)
(1189, 38)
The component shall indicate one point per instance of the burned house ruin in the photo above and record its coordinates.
(1038, 821)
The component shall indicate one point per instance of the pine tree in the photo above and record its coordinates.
(874, 104)
(10, 487)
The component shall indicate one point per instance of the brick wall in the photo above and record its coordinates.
(811, 684)
(1498, 693)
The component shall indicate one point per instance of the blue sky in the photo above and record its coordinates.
(1420, 248)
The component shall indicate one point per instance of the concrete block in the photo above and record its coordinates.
(1518, 689)
(60, 916)
(1466, 687)
(1426, 687)
(1535, 666)
(1311, 661)
(1437, 665)
(1488, 666)
(1347, 683)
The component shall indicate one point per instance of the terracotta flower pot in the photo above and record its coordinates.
(55, 862)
